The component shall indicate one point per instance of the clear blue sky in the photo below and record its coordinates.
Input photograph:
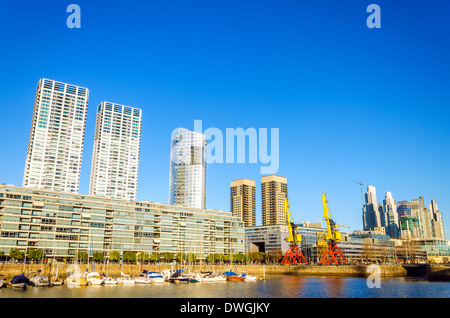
(351, 103)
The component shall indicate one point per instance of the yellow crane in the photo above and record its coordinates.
(326, 240)
(294, 255)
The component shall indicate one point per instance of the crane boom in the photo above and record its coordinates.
(332, 255)
(294, 255)
(293, 237)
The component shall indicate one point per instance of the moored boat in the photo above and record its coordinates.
(236, 278)
(2, 281)
(76, 280)
(94, 278)
(178, 278)
(110, 281)
(126, 280)
(156, 277)
(142, 279)
(19, 281)
(40, 281)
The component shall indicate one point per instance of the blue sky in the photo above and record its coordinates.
(351, 103)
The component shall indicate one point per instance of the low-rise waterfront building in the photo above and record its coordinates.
(62, 223)
(269, 239)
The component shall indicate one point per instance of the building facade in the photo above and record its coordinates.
(61, 224)
(274, 190)
(419, 212)
(270, 239)
(56, 139)
(242, 201)
(115, 157)
(391, 216)
(373, 211)
(187, 180)
(437, 224)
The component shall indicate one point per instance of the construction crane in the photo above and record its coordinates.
(362, 196)
(328, 238)
(362, 202)
(294, 255)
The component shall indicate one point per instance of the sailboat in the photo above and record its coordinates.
(40, 280)
(76, 278)
(19, 281)
(56, 281)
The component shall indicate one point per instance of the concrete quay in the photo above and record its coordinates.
(9, 270)
(438, 273)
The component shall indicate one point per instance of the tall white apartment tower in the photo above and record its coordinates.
(55, 145)
(187, 181)
(372, 217)
(390, 216)
(115, 158)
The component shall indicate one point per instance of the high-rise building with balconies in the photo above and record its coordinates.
(242, 201)
(187, 180)
(115, 158)
(56, 140)
(273, 193)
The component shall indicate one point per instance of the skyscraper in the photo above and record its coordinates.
(55, 145)
(273, 192)
(242, 201)
(115, 158)
(391, 216)
(372, 210)
(187, 180)
(420, 212)
(437, 224)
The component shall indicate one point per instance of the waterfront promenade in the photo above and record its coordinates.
(9, 270)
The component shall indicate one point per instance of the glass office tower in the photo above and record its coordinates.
(55, 145)
(187, 181)
(115, 158)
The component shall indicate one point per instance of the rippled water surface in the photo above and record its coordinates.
(272, 287)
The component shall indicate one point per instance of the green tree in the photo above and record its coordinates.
(145, 257)
(154, 257)
(114, 256)
(239, 258)
(168, 256)
(129, 256)
(16, 254)
(82, 256)
(192, 258)
(98, 256)
(35, 254)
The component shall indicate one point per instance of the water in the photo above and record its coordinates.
(272, 287)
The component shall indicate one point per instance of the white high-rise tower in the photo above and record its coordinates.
(187, 181)
(115, 158)
(391, 216)
(55, 145)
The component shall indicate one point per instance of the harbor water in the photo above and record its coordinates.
(272, 287)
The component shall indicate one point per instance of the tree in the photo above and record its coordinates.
(180, 257)
(16, 254)
(114, 256)
(98, 256)
(145, 256)
(168, 256)
(192, 258)
(154, 257)
(35, 254)
(82, 255)
(129, 256)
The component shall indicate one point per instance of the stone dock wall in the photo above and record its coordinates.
(438, 273)
(9, 270)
